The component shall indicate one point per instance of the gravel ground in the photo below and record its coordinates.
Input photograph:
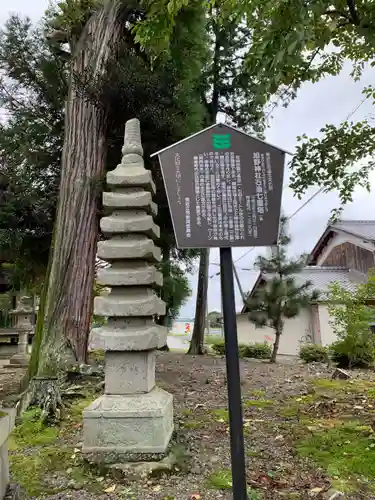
(198, 384)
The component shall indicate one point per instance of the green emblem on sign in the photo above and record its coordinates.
(221, 141)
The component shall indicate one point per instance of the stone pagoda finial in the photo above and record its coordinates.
(133, 416)
(132, 141)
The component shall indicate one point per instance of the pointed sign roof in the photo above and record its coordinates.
(224, 126)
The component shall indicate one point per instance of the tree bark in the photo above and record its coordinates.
(163, 320)
(69, 304)
(275, 347)
(197, 339)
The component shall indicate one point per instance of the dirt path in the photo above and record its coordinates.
(278, 407)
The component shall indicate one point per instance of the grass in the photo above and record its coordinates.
(213, 339)
(346, 451)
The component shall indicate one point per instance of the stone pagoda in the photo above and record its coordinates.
(133, 417)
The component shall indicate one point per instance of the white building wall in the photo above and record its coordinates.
(340, 238)
(327, 334)
(296, 331)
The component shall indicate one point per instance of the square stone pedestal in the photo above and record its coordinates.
(123, 425)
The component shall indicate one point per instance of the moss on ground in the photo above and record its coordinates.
(97, 356)
(344, 447)
(221, 415)
(220, 480)
(38, 450)
(346, 451)
(324, 386)
(257, 393)
(32, 432)
(258, 403)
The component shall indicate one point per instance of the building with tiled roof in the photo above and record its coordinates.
(344, 253)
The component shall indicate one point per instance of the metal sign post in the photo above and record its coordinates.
(224, 190)
(233, 376)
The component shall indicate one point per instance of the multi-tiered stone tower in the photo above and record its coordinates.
(133, 416)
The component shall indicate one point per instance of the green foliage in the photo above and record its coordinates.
(281, 294)
(310, 353)
(351, 316)
(219, 347)
(32, 91)
(176, 288)
(214, 317)
(257, 350)
(296, 42)
(354, 353)
(163, 95)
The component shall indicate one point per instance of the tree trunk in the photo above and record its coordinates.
(197, 339)
(275, 346)
(69, 304)
(39, 326)
(166, 269)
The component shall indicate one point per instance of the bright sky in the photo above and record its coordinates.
(329, 101)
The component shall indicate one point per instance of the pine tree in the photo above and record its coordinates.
(282, 295)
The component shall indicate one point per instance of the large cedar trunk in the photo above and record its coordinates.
(70, 290)
(163, 320)
(197, 339)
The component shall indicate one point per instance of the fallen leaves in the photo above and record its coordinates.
(110, 489)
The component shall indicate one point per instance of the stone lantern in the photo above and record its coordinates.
(23, 314)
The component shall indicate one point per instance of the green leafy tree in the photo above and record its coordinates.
(351, 315)
(282, 295)
(297, 42)
(177, 289)
(32, 90)
(214, 317)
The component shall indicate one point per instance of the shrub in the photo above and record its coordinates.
(258, 350)
(219, 347)
(313, 352)
(350, 353)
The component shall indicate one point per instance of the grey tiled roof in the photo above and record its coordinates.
(322, 277)
(362, 228)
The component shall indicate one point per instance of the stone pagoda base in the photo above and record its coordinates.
(122, 425)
